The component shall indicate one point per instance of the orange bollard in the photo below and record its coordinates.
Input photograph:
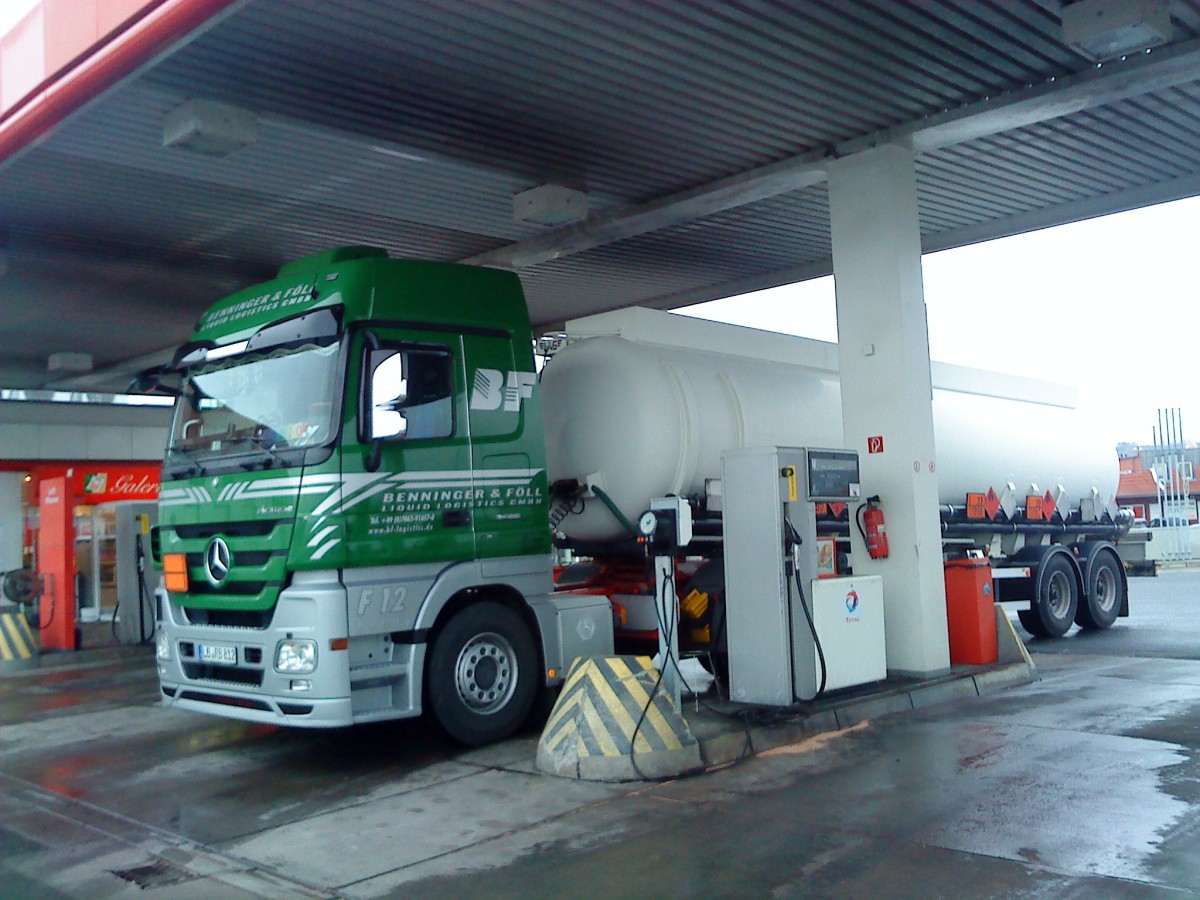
(970, 613)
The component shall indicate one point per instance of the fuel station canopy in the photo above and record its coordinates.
(158, 154)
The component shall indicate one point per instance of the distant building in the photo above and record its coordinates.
(1138, 490)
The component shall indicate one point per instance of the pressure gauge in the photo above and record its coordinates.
(648, 523)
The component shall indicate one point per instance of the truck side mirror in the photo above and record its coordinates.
(386, 389)
(388, 393)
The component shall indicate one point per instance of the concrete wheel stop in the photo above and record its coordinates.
(611, 724)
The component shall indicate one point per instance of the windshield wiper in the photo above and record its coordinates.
(197, 468)
(260, 444)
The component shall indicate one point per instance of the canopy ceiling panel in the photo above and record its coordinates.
(701, 133)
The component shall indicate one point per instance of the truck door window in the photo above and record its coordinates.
(411, 394)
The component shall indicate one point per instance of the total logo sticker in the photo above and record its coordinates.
(852, 601)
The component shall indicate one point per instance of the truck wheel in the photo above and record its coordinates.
(1105, 593)
(1056, 595)
(1031, 622)
(482, 674)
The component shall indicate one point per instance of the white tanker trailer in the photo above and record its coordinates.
(641, 404)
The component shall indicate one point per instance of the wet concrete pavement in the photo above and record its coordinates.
(1086, 783)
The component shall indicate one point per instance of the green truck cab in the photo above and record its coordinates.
(353, 521)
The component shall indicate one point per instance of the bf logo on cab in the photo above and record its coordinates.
(490, 389)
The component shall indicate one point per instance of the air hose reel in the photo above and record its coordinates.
(24, 588)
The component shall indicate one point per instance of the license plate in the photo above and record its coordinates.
(217, 653)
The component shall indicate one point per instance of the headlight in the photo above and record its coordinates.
(296, 657)
(162, 645)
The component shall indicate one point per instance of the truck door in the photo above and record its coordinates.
(508, 452)
(410, 490)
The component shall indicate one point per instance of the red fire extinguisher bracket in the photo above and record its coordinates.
(873, 527)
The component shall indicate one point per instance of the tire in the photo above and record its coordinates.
(1056, 595)
(1105, 593)
(1031, 623)
(482, 674)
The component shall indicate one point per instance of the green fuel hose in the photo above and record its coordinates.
(612, 508)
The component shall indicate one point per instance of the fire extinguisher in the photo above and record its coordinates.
(873, 528)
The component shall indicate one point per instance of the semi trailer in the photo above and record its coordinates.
(366, 480)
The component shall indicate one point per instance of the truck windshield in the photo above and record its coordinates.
(256, 403)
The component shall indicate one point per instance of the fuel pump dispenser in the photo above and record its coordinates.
(664, 529)
(791, 634)
(135, 593)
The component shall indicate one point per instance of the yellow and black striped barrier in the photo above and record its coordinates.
(611, 724)
(18, 644)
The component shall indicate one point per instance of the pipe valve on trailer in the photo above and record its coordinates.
(666, 526)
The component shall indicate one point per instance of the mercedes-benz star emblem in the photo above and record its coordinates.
(216, 561)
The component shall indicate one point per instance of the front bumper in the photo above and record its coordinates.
(247, 687)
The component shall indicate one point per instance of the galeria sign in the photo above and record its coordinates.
(140, 483)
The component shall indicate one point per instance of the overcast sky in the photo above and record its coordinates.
(1108, 305)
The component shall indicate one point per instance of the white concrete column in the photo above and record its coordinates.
(886, 393)
(12, 523)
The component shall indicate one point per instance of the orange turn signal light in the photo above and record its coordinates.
(342, 643)
(175, 573)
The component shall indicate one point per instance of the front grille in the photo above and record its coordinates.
(229, 674)
(242, 558)
(253, 528)
(258, 619)
(259, 553)
(231, 588)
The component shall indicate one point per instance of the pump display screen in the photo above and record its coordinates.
(832, 475)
